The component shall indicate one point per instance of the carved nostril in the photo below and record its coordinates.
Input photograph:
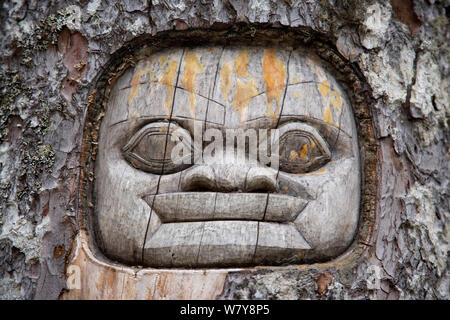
(229, 178)
(200, 179)
(260, 180)
(199, 185)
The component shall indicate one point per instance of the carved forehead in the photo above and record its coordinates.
(229, 86)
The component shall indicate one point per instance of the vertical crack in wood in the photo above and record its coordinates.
(339, 131)
(203, 230)
(246, 179)
(282, 106)
(213, 89)
(210, 92)
(257, 228)
(200, 244)
(165, 150)
(179, 190)
(278, 169)
(285, 89)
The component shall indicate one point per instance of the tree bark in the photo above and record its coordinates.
(54, 53)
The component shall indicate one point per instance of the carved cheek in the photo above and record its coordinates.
(331, 217)
(122, 217)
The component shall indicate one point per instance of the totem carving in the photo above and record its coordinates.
(226, 156)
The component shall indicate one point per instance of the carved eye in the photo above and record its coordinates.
(302, 149)
(154, 150)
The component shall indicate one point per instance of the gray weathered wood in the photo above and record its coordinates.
(52, 56)
(179, 83)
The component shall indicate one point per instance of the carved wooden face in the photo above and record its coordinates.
(156, 212)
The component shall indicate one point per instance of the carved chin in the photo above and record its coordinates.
(203, 229)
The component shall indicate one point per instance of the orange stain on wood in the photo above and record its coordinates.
(244, 92)
(152, 77)
(327, 116)
(274, 73)
(333, 96)
(324, 88)
(329, 96)
(303, 151)
(136, 81)
(135, 86)
(335, 100)
(168, 80)
(241, 64)
(225, 77)
(191, 67)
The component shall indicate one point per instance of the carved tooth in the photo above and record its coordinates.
(218, 243)
(192, 206)
(205, 206)
(280, 242)
(174, 242)
(240, 206)
(291, 207)
(226, 243)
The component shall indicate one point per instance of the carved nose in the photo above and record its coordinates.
(230, 175)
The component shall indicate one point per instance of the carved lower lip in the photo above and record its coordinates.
(213, 206)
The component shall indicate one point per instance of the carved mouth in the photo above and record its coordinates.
(215, 206)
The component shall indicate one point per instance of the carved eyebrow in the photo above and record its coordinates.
(332, 134)
(312, 120)
(281, 118)
(300, 118)
(260, 121)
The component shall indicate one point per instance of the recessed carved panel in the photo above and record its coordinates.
(218, 202)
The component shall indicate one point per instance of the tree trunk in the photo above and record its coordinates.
(54, 57)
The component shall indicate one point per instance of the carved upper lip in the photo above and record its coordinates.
(210, 206)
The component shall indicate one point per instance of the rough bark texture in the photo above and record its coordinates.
(53, 52)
